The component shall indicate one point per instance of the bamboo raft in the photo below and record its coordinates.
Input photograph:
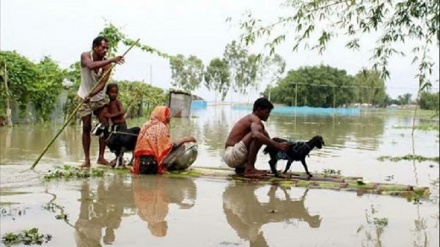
(318, 181)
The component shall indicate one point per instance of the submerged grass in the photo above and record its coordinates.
(419, 127)
(26, 237)
(70, 172)
(418, 158)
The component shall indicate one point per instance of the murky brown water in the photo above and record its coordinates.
(157, 211)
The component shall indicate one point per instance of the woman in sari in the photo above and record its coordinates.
(154, 143)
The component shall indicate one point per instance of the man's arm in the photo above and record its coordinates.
(86, 61)
(184, 140)
(259, 133)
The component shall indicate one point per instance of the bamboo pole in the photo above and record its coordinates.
(77, 108)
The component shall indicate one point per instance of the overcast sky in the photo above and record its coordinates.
(62, 29)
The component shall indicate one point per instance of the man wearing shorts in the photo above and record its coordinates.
(246, 138)
(93, 66)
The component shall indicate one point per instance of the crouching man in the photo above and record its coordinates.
(246, 138)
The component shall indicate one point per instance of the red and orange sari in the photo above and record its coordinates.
(154, 139)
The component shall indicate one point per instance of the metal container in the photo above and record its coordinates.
(182, 158)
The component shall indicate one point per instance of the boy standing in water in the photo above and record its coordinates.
(114, 111)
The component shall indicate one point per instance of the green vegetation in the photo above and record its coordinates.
(26, 237)
(369, 88)
(69, 172)
(430, 101)
(23, 82)
(328, 172)
(418, 158)
(217, 77)
(311, 25)
(420, 127)
(186, 73)
(317, 86)
(52, 207)
(139, 98)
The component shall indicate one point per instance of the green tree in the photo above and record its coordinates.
(317, 86)
(45, 91)
(217, 77)
(314, 23)
(22, 77)
(370, 87)
(404, 99)
(72, 74)
(136, 95)
(273, 68)
(429, 101)
(396, 22)
(186, 73)
(243, 68)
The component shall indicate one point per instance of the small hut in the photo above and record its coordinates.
(180, 104)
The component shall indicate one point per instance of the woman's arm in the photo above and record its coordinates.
(184, 140)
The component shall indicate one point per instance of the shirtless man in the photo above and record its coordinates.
(93, 66)
(246, 138)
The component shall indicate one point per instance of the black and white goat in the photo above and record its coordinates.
(118, 141)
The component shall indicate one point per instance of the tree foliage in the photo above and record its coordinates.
(244, 68)
(22, 75)
(370, 87)
(317, 86)
(404, 99)
(136, 95)
(115, 37)
(273, 68)
(429, 101)
(217, 77)
(186, 73)
(48, 87)
(312, 24)
(28, 82)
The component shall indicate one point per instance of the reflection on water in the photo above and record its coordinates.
(152, 195)
(102, 208)
(246, 215)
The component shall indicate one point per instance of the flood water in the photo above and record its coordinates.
(125, 210)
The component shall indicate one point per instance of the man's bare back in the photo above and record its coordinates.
(241, 129)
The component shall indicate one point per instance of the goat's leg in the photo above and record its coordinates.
(132, 158)
(121, 159)
(289, 163)
(273, 166)
(113, 162)
(116, 163)
(303, 161)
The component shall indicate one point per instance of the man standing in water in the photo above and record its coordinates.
(246, 138)
(94, 65)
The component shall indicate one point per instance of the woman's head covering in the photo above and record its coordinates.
(161, 114)
(154, 138)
